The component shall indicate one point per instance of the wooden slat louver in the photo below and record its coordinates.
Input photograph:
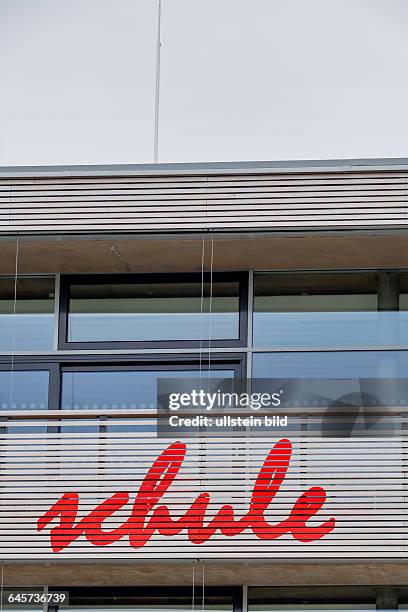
(365, 496)
(191, 202)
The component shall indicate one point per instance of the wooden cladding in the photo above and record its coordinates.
(364, 481)
(264, 201)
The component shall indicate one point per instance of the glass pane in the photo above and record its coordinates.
(153, 312)
(265, 607)
(77, 427)
(155, 607)
(120, 389)
(344, 364)
(402, 323)
(24, 390)
(144, 600)
(307, 599)
(317, 309)
(135, 425)
(25, 427)
(13, 609)
(364, 382)
(30, 325)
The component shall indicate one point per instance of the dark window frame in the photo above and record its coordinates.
(163, 362)
(68, 280)
(387, 292)
(31, 364)
(24, 277)
(56, 364)
(334, 595)
(83, 596)
(387, 283)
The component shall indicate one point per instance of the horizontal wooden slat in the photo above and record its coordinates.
(365, 481)
(220, 202)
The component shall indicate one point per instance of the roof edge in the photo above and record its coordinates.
(198, 168)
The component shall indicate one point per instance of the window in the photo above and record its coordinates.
(155, 309)
(400, 320)
(332, 381)
(21, 428)
(155, 607)
(149, 599)
(104, 388)
(310, 607)
(316, 309)
(23, 389)
(331, 364)
(77, 426)
(29, 323)
(115, 392)
(305, 599)
(112, 386)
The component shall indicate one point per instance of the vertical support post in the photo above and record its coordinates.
(157, 93)
(56, 310)
(388, 306)
(248, 383)
(244, 598)
(388, 290)
(45, 604)
(250, 322)
(387, 598)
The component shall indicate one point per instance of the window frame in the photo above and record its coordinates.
(167, 592)
(33, 364)
(34, 276)
(164, 362)
(207, 277)
(159, 362)
(311, 595)
(57, 363)
(387, 292)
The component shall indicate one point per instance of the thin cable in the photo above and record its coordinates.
(202, 305)
(13, 324)
(210, 305)
(157, 92)
(193, 598)
(202, 278)
(200, 443)
(2, 586)
(203, 584)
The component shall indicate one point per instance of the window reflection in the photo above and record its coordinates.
(24, 389)
(265, 607)
(25, 427)
(331, 364)
(156, 607)
(131, 426)
(403, 309)
(29, 324)
(317, 309)
(298, 599)
(115, 389)
(76, 427)
(147, 599)
(359, 381)
(143, 312)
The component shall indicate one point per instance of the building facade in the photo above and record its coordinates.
(113, 278)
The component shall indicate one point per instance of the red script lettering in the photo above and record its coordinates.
(148, 516)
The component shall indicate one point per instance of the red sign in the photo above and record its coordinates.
(148, 516)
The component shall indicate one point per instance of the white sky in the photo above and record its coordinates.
(241, 80)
